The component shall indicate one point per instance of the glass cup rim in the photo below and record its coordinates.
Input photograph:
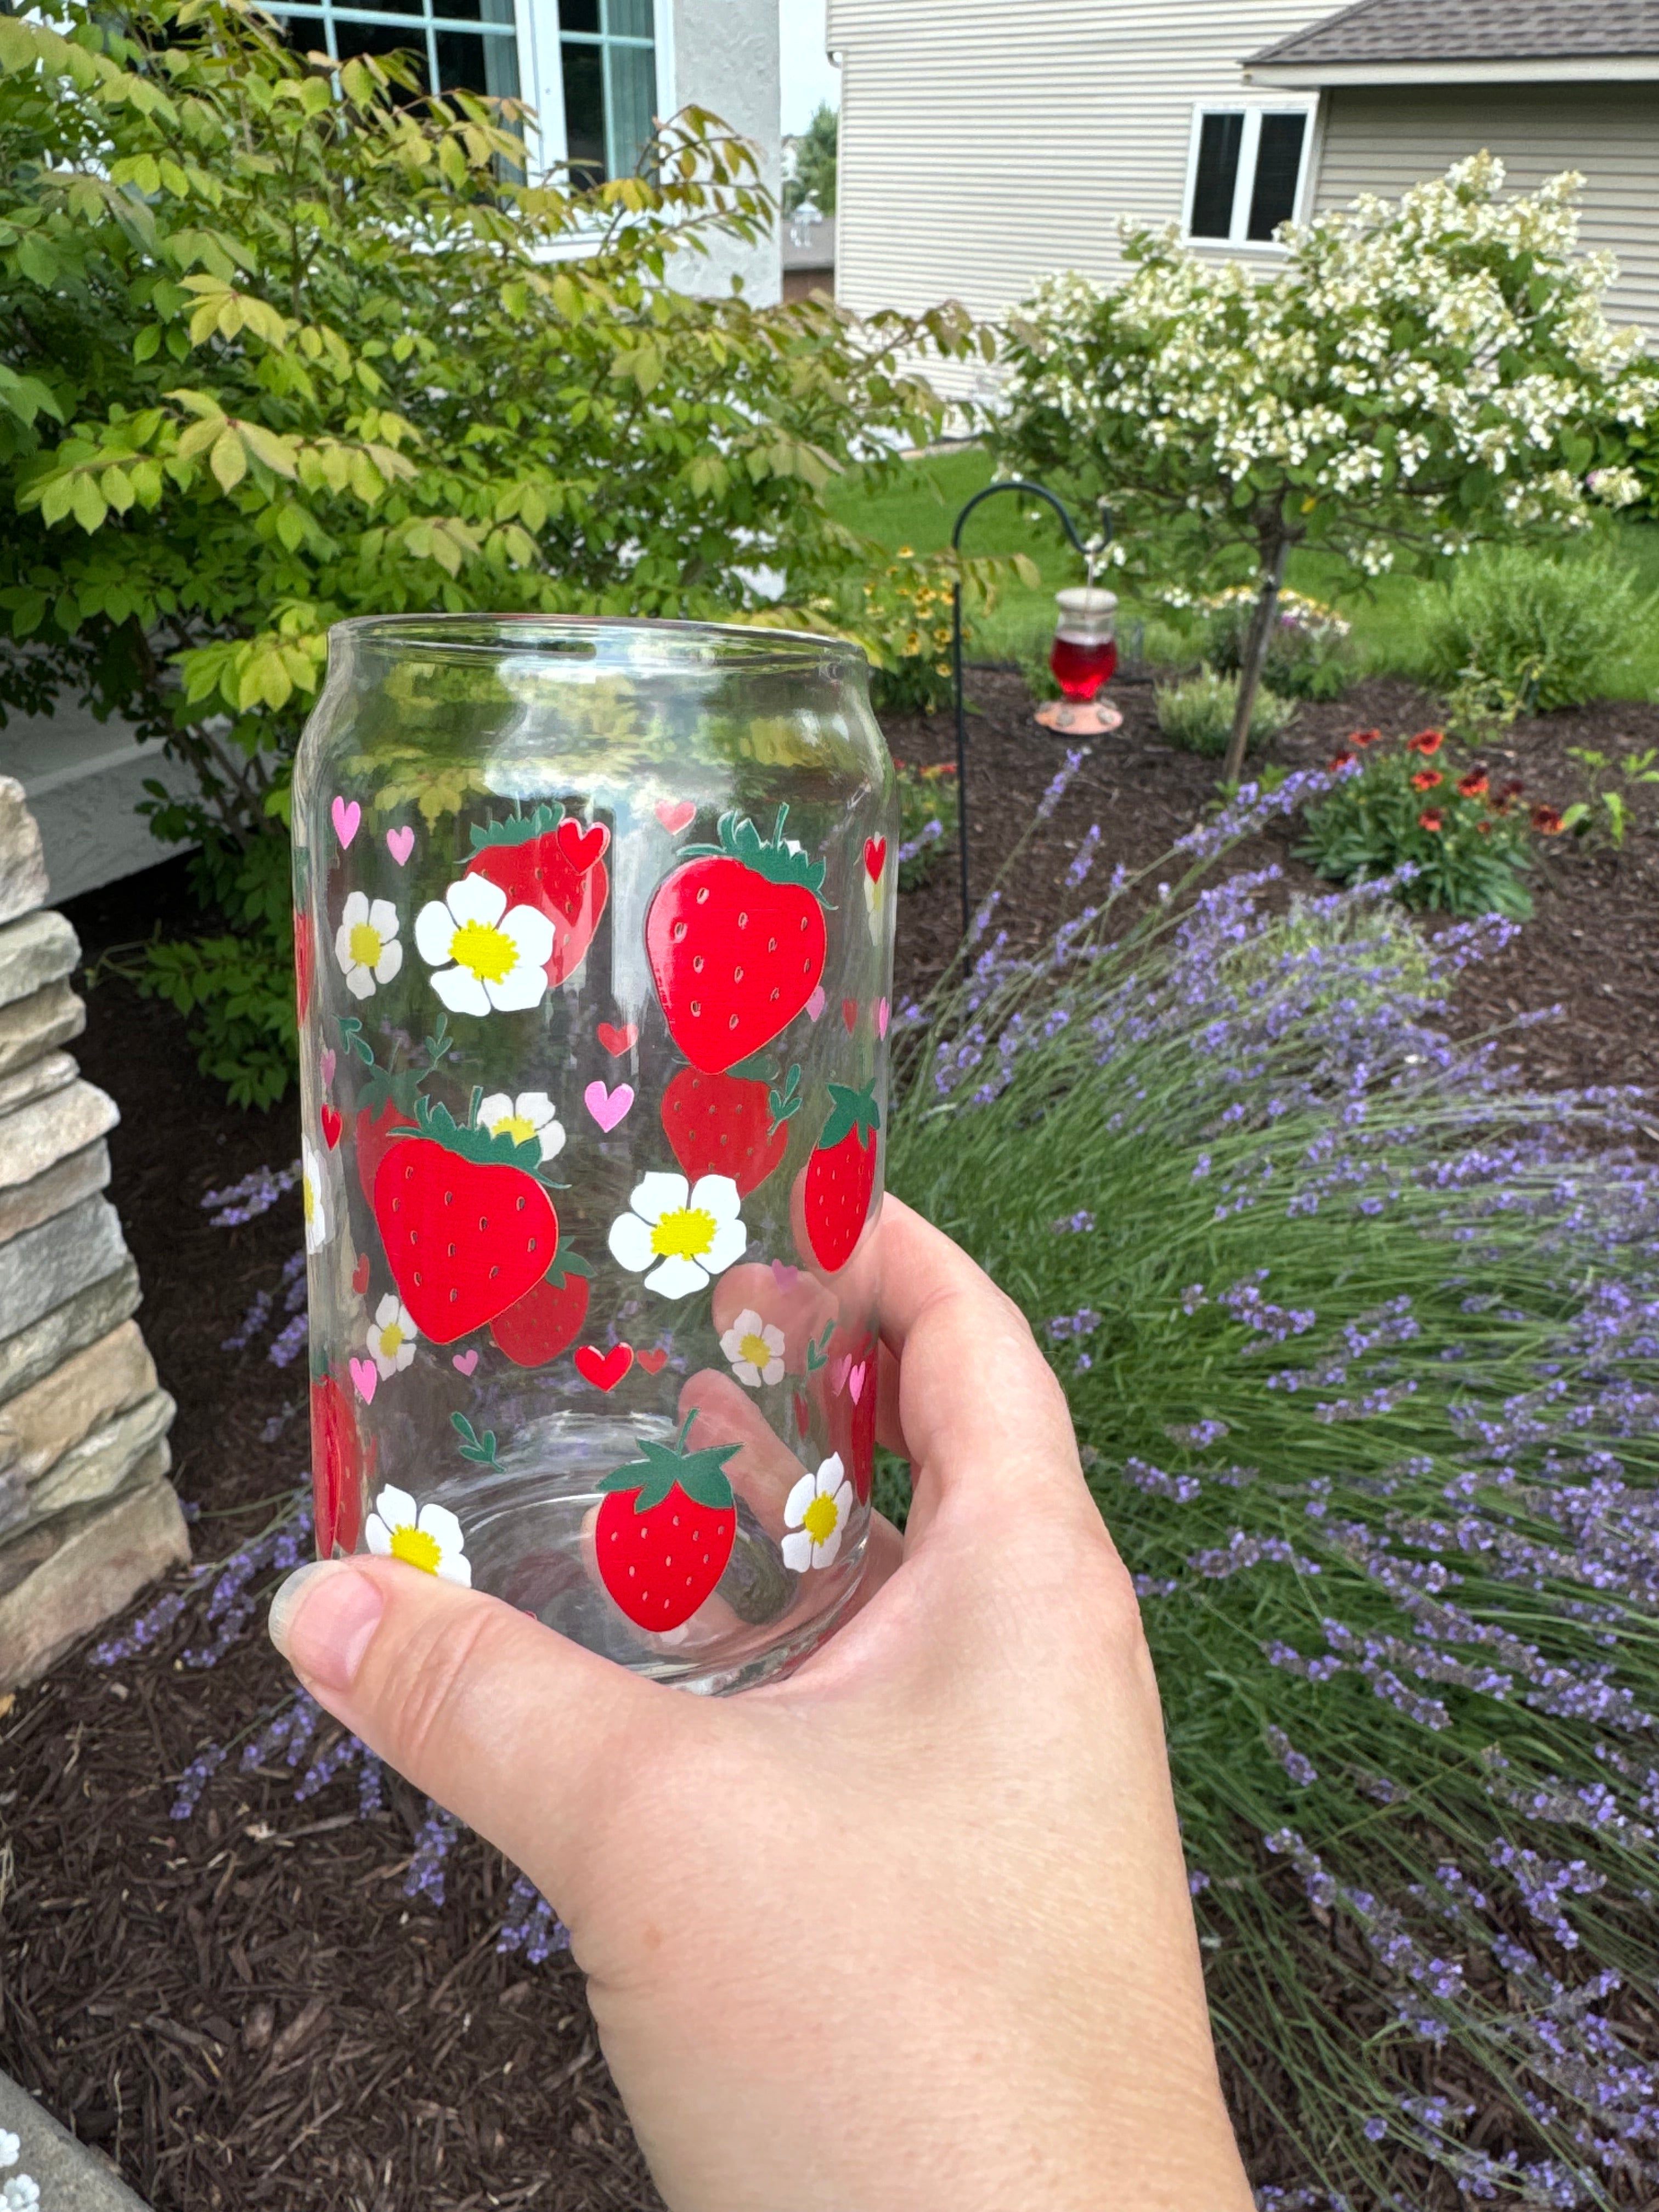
(623, 640)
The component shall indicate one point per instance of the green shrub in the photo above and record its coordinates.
(282, 344)
(1520, 630)
(1197, 713)
(1309, 652)
(1360, 1350)
(1395, 807)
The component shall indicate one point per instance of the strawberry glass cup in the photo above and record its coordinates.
(594, 933)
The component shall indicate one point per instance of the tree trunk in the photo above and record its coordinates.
(1255, 657)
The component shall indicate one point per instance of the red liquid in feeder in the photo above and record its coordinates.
(1080, 665)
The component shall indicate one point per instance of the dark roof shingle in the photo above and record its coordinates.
(1473, 31)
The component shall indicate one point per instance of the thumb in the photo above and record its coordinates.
(514, 1728)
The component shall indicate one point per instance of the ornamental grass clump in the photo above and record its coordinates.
(1444, 835)
(1362, 1344)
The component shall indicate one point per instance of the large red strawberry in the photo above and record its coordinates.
(548, 1319)
(378, 1128)
(728, 1125)
(665, 1530)
(841, 1176)
(736, 941)
(467, 1228)
(554, 864)
(337, 1468)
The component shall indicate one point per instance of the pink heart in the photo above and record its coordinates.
(855, 1380)
(816, 1003)
(367, 1377)
(883, 1017)
(608, 1107)
(325, 1066)
(464, 1362)
(783, 1275)
(674, 814)
(346, 818)
(839, 1371)
(400, 843)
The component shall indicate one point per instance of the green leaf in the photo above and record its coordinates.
(228, 460)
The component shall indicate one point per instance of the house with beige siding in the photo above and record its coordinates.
(983, 145)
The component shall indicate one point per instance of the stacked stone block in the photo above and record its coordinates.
(88, 1516)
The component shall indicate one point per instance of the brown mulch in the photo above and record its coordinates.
(245, 2008)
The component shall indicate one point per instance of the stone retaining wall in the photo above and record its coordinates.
(88, 1516)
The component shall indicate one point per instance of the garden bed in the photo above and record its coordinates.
(245, 2008)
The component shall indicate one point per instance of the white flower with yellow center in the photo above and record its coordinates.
(366, 945)
(391, 1336)
(683, 1235)
(499, 953)
(529, 1115)
(755, 1348)
(313, 1198)
(815, 1513)
(429, 1539)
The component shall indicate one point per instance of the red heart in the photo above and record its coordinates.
(875, 857)
(604, 1370)
(617, 1041)
(849, 1014)
(652, 1362)
(359, 1275)
(582, 848)
(333, 1123)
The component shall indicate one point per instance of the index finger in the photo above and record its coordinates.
(979, 1407)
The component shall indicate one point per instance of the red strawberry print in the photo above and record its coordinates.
(736, 941)
(548, 1319)
(467, 1228)
(336, 1468)
(728, 1125)
(376, 1130)
(665, 1530)
(841, 1176)
(852, 1418)
(554, 866)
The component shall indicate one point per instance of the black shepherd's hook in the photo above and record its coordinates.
(1089, 553)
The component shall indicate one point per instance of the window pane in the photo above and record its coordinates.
(1220, 138)
(579, 14)
(306, 34)
(470, 63)
(584, 111)
(1278, 160)
(628, 19)
(384, 38)
(633, 98)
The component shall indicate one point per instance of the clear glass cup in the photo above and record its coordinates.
(593, 928)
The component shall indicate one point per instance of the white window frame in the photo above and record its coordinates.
(1252, 107)
(541, 70)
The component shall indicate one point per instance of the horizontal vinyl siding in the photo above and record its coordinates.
(1382, 140)
(984, 142)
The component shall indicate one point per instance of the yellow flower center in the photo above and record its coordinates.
(417, 1547)
(685, 1234)
(820, 1518)
(755, 1350)
(365, 946)
(514, 1125)
(491, 953)
(391, 1337)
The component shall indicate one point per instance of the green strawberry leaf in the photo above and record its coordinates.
(474, 1447)
(700, 1475)
(469, 1142)
(351, 1035)
(771, 858)
(786, 1102)
(850, 1109)
(517, 829)
(566, 1265)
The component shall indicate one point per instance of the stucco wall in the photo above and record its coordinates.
(725, 59)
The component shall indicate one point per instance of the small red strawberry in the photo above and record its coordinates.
(665, 1529)
(337, 1468)
(547, 1319)
(554, 866)
(466, 1226)
(841, 1176)
(736, 941)
(728, 1125)
(378, 1127)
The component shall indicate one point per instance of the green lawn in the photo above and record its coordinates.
(919, 509)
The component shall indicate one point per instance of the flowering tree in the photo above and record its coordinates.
(1420, 375)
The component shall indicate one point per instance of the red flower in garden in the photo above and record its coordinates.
(1546, 821)
(1430, 818)
(1364, 736)
(1426, 778)
(1474, 785)
(1510, 789)
(1484, 829)
(1339, 761)
(1426, 742)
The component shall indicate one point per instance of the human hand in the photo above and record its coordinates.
(908, 1929)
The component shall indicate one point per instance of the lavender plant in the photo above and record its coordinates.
(1361, 1342)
